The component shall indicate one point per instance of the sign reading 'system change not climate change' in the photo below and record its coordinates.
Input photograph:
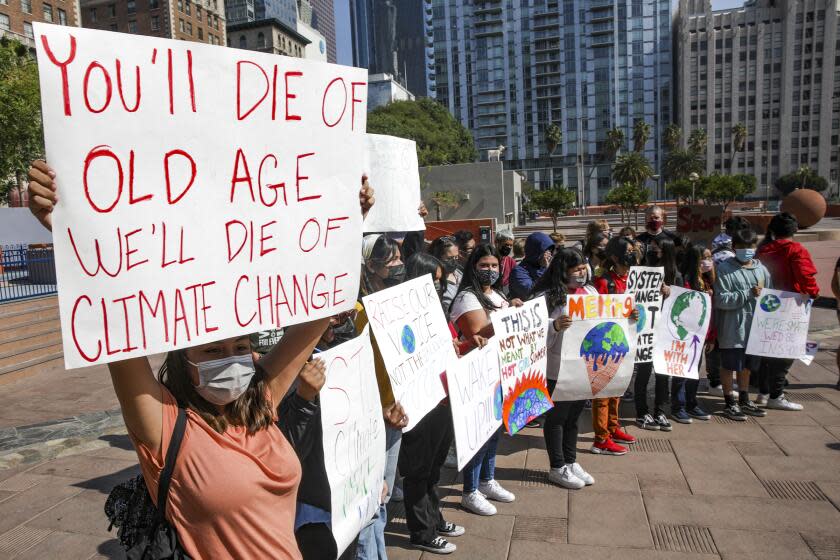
(205, 192)
(645, 284)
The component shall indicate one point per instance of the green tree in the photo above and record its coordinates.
(557, 201)
(671, 137)
(725, 189)
(613, 143)
(681, 189)
(739, 142)
(632, 168)
(445, 199)
(697, 141)
(629, 198)
(21, 132)
(641, 134)
(802, 178)
(679, 164)
(440, 138)
(553, 137)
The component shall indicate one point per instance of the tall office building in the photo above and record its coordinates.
(773, 65)
(395, 37)
(323, 21)
(202, 20)
(244, 11)
(507, 69)
(16, 17)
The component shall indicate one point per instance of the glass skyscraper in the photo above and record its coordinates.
(243, 11)
(507, 68)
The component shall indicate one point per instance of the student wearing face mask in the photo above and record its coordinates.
(234, 465)
(539, 249)
(739, 282)
(504, 243)
(478, 296)
(654, 226)
(445, 249)
(566, 275)
(595, 255)
(620, 256)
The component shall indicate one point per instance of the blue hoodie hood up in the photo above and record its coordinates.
(526, 273)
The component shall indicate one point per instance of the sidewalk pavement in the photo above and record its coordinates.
(764, 489)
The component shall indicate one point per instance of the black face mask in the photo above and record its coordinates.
(629, 259)
(450, 265)
(396, 275)
(506, 250)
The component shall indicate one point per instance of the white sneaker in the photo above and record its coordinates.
(494, 491)
(761, 399)
(477, 503)
(783, 404)
(565, 478)
(578, 471)
(716, 390)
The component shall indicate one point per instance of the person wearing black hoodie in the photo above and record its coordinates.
(538, 251)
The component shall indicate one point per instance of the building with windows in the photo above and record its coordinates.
(269, 36)
(395, 38)
(17, 16)
(242, 11)
(323, 21)
(383, 90)
(506, 70)
(773, 65)
(201, 20)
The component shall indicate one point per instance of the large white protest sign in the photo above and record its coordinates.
(204, 192)
(780, 325)
(644, 283)
(598, 348)
(353, 437)
(395, 177)
(681, 333)
(414, 340)
(521, 344)
(475, 398)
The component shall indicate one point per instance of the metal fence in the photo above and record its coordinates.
(26, 271)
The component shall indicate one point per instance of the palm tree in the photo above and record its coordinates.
(671, 137)
(739, 141)
(697, 141)
(632, 168)
(613, 143)
(641, 134)
(679, 164)
(553, 137)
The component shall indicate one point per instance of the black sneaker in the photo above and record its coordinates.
(733, 412)
(628, 396)
(751, 409)
(437, 545)
(449, 529)
(647, 422)
(662, 422)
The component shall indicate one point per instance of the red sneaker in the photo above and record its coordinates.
(608, 447)
(622, 436)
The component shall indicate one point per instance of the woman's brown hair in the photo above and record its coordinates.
(252, 409)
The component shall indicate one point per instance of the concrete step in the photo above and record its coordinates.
(30, 328)
(19, 305)
(27, 351)
(29, 367)
(50, 333)
(26, 315)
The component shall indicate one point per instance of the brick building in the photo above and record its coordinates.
(269, 36)
(200, 20)
(16, 16)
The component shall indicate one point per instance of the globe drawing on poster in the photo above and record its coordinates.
(770, 303)
(688, 314)
(603, 349)
(642, 320)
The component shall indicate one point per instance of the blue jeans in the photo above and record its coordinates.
(683, 393)
(482, 467)
(372, 537)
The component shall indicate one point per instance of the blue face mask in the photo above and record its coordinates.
(744, 255)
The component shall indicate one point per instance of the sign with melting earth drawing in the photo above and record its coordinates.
(598, 349)
(681, 332)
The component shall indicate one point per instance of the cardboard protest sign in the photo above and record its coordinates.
(353, 437)
(598, 348)
(780, 325)
(475, 398)
(681, 333)
(700, 222)
(395, 177)
(521, 344)
(416, 345)
(205, 192)
(644, 283)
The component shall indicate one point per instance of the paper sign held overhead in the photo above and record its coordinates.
(205, 192)
(681, 333)
(395, 178)
(780, 325)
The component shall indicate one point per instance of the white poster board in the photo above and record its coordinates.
(415, 342)
(521, 338)
(204, 192)
(475, 399)
(395, 178)
(598, 348)
(644, 283)
(353, 437)
(681, 333)
(780, 325)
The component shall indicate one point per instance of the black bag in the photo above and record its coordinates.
(142, 528)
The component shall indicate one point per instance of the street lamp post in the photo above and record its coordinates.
(694, 177)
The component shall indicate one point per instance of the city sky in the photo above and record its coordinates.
(343, 47)
(724, 4)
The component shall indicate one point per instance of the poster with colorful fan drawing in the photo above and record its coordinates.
(596, 359)
(521, 342)
(681, 333)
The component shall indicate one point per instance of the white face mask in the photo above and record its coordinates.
(222, 381)
(578, 280)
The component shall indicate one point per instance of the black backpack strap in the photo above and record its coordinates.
(169, 463)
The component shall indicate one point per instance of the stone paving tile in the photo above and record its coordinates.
(89, 472)
(651, 484)
(633, 462)
(709, 431)
(745, 513)
(823, 413)
(718, 469)
(25, 505)
(758, 545)
(812, 467)
(832, 491)
(804, 440)
(619, 519)
(833, 430)
(785, 418)
(551, 551)
(610, 483)
(67, 546)
(83, 513)
(757, 449)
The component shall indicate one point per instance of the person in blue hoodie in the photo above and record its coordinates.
(538, 251)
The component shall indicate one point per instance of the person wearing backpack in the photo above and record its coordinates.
(234, 483)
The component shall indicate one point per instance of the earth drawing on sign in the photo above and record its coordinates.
(409, 342)
(770, 303)
(642, 320)
(688, 307)
(603, 349)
